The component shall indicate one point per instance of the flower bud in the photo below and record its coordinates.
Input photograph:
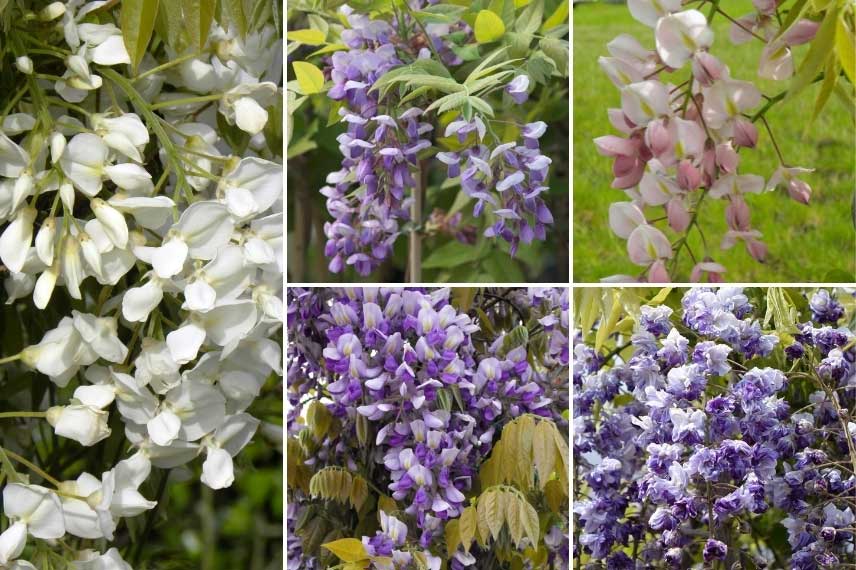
(714, 271)
(24, 64)
(45, 284)
(757, 249)
(679, 217)
(727, 158)
(57, 143)
(745, 133)
(802, 32)
(66, 194)
(799, 190)
(52, 11)
(77, 65)
(737, 214)
(658, 138)
(657, 272)
(707, 68)
(15, 240)
(72, 268)
(91, 254)
(689, 177)
(85, 424)
(45, 241)
(112, 221)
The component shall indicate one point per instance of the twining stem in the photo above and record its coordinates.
(31, 466)
(414, 262)
(424, 32)
(6, 415)
(12, 358)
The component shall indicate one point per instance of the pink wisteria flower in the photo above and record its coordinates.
(680, 136)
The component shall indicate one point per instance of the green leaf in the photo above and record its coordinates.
(489, 27)
(821, 49)
(198, 17)
(347, 549)
(529, 20)
(452, 254)
(830, 77)
(168, 24)
(308, 37)
(235, 9)
(539, 67)
(481, 105)
(558, 17)
(845, 49)
(557, 50)
(309, 77)
(608, 326)
(138, 22)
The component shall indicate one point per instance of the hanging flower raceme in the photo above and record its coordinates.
(679, 143)
(141, 250)
(403, 379)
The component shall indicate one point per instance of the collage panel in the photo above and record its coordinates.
(141, 306)
(428, 141)
(714, 141)
(427, 428)
(714, 427)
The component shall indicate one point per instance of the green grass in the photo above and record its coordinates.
(812, 243)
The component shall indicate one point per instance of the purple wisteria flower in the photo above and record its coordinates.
(702, 428)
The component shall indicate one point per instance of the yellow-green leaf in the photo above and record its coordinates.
(490, 513)
(660, 297)
(386, 504)
(523, 463)
(309, 77)
(467, 527)
(489, 27)
(555, 495)
(359, 492)
(845, 49)
(514, 517)
(589, 309)
(347, 549)
(198, 17)
(235, 9)
(452, 534)
(558, 17)
(608, 326)
(529, 520)
(138, 23)
(544, 451)
(308, 37)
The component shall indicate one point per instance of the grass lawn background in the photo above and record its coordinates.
(812, 243)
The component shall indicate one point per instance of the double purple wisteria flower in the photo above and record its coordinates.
(709, 424)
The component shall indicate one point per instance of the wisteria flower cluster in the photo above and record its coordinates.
(405, 391)
(141, 228)
(680, 143)
(700, 436)
(383, 76)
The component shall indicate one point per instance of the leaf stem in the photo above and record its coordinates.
(166, 65)
(187, 101)
(773, 139)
